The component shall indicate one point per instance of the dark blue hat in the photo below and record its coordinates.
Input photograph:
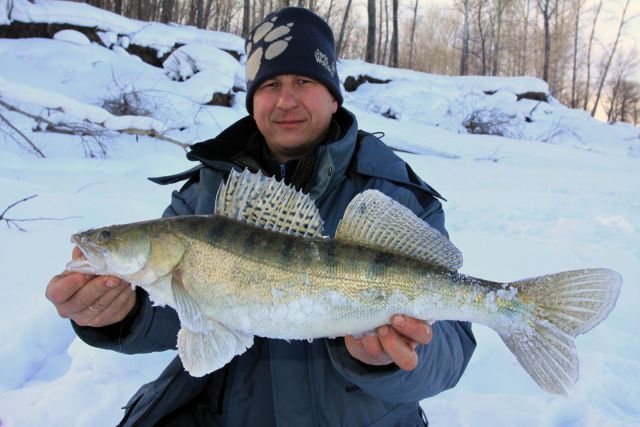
(293, 40)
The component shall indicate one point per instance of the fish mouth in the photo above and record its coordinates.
(93, 261)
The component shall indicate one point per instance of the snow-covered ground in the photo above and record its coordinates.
(562, 191)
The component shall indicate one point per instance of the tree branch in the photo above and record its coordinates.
(35, 148)
(12, 221)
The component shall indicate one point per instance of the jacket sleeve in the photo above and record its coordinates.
(147, 328)
(440, 363)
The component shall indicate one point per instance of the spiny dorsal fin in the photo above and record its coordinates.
(267, 203)
(375, 220)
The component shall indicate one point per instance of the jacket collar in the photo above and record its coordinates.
(332, 162)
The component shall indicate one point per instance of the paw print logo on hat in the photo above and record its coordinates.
(275, 42)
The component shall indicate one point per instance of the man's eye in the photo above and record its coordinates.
(269, 84)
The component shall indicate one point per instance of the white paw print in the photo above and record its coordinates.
(275, 42)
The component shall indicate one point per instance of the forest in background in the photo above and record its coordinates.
(559, 41)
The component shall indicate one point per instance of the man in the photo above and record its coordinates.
(297, 131)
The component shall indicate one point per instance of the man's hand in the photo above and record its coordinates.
(90, 300)
(394, 343)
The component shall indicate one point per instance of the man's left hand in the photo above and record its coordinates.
(393, 343)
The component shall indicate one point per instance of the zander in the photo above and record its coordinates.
(261, 266)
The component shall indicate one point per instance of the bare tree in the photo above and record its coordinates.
(199, 9)
(577, 11)
(371, 31)
(500, 8)
(383, 59)
(603, 78)
(622, 93)
(167, 11)
(246, 18)
(464, 57)
(547, 10)
(413, 33)
(342, 28)
(394, 38)
(589, 50)
(482, 34)
(525, 39)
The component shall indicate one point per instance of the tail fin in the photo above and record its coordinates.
(566, 305)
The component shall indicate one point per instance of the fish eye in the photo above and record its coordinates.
(103, 236)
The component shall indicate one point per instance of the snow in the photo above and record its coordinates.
(561, 192)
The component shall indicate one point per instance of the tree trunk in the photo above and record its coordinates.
(413, 34)
(199, 13)
(613, 52)
(384, 59)
(574, 74)
(464, 57)
(379, 35)
(246, 13)
(614, 101)
(585, 105)
(167, 11)
(525, 41)
(342, 27)
(483, 38)
(501, 4)
(547, 13)
(395, 36)
(328, 15)
(371, 31)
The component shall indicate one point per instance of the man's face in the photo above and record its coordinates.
(293, 114)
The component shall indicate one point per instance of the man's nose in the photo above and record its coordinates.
(288, 97)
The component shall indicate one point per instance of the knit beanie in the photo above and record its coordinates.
(293, 40)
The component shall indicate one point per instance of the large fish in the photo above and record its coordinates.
(261, 266)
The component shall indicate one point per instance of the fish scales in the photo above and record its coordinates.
(261, 266)
(344, 281)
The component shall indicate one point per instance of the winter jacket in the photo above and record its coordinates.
(296, 383)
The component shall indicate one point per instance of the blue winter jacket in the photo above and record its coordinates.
(297, 383)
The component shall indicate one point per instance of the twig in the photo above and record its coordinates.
(88, 130)
(12, 221)
(35, 148)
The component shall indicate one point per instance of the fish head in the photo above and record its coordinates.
(119, 250)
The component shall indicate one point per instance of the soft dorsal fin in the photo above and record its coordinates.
(267, 203)
(375, 220)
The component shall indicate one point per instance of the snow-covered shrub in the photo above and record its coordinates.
(126, 103)
(492, 121)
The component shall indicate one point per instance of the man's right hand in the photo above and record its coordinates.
(90, 300)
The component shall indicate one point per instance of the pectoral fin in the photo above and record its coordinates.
(204, 345)
(205, 352)
(191, 315)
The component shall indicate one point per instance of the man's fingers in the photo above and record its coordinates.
(373, 348)
(113, 306)
(89, 294)
(367, 349)
(401, 351)
(63, 286)
(413, 329)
